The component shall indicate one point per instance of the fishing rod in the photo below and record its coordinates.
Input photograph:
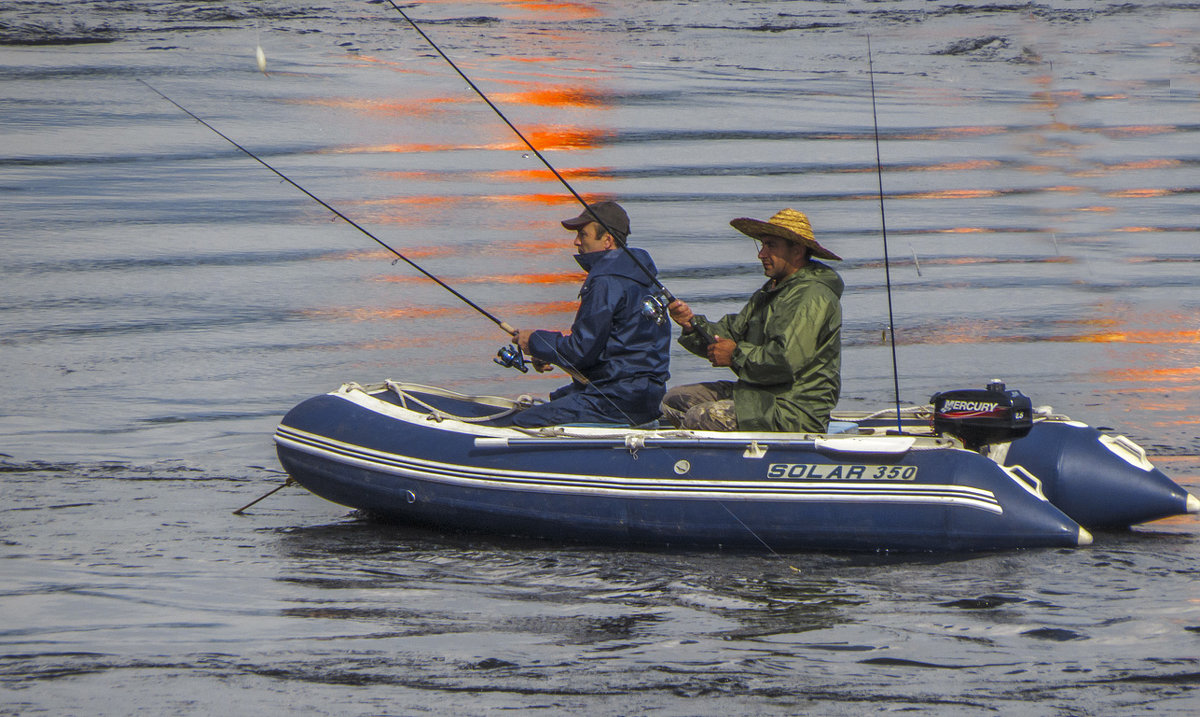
(655, 306)
(505, 357)
(887, 271)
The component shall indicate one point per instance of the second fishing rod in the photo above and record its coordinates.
(655, 306)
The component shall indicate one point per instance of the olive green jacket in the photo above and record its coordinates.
(788, 358)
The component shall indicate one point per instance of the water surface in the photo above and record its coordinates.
(164, 300)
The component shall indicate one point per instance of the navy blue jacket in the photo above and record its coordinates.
(619, 351)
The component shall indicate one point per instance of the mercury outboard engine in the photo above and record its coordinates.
(981, 416)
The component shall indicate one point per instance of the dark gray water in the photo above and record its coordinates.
(164, 300)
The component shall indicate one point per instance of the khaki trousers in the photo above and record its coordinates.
(701, 406)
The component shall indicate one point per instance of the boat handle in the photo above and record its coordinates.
(1128, 451)
(1022, 477)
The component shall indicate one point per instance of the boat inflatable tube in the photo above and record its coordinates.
(1099, 481)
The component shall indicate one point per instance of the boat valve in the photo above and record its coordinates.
(654, 307)
(510, 356)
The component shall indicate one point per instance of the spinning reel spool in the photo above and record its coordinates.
(510, 356)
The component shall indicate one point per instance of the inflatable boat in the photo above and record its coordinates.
(974, 470)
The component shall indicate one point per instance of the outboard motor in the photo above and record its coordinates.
(981, 416)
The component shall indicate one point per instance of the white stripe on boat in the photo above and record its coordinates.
(454, 474)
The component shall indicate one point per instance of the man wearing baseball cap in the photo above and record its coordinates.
(784, 346)
(618, 357)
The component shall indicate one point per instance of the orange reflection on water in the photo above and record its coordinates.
(574, 9)
(543, 138)
(937, 167)
(413, 175)
(391, 64)
(1147, 164)
(434, 200)
(566, 277)
(1170, 392)
(969, 164)
(1141, 193)
(550, 200)
(401, 108)
(1067, 152)
(1137, 131)
(1161, 375)
(965, 332)
(557, 97)
(372, 59)
(950, 194)
(543, 308)
(563, 277)
(508, 58)
(965, 260)
(397, 148)
(557, 137)
(414, 210)
(409, 341)
(1054, 98)
(1134, 336)
(953, 133)
(537, 246)
(540, 175)
(376, 313)
(571, 9)
(417, 252)
(1150, 229)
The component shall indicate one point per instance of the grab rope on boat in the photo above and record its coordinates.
(401, 390)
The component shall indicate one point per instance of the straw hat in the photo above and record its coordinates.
(788, 224)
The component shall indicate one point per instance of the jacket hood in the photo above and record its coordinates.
(818, 273)
(617, 262)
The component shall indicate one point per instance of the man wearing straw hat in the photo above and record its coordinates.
(784, 346)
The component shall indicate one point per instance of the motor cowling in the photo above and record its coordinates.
(981, 416)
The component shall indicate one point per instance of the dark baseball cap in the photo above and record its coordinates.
(609, 214)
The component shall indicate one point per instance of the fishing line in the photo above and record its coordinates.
(887, 270)
(756, 537)
(667, 296)
(504, 326)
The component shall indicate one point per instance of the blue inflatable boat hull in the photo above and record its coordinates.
(392, 451)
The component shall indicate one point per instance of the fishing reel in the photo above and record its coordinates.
(510, 356)
(654, 308)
